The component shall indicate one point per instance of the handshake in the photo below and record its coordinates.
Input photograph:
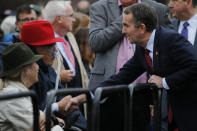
(68, 104)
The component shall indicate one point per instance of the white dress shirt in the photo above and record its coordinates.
(60, 47)
(192, 28)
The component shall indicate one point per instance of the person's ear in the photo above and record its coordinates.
(143, 28)
(17, 27)
(189, 3)
(58, 19)
(16, 23)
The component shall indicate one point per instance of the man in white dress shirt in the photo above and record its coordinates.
(185, 11)
(73, 73)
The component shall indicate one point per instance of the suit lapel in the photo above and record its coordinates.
(156, 51)
(195, 41)
(156, 54)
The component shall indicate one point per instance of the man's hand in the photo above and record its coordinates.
(65, 103)
(66, 75)
(72, 108)
(75, 101)
(151, 110)
(157, 80)
(61, 121)
(79, 99)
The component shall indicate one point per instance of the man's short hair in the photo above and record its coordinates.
(194, 2)
(143, 14)
(23, 9)
(55, 8)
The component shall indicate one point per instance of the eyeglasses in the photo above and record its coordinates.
(27, 19)
(71, 15)
(50, 50)
(173, 1)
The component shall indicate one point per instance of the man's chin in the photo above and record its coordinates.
(174, 15)
(130, 40)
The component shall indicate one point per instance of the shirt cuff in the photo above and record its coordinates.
(92, 95)
(165, 85)
(54, 107)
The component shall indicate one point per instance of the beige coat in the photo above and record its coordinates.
(16, 114)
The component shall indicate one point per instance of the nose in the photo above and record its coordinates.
(36, 65)
(123, 30)
(170, 4)
(54, 49)
(73, 19)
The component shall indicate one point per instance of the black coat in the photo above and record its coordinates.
(176, 61)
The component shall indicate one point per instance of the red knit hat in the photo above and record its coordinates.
(38, 33)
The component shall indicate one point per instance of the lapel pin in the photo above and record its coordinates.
(156, 52)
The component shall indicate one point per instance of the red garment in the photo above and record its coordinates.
(148, 59)
(69, 53)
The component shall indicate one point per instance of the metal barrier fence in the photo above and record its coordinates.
(105, 92)
(67, 91)
(157, 96)
(93, 110)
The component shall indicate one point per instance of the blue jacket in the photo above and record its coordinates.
(47, 79)
(3, 45)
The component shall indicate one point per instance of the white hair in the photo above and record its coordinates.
(55, 8)
(20, 76)
(8, 24)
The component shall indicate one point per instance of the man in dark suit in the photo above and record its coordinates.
(170, 59)
(111, 46)
(185, 11)
(106, 38)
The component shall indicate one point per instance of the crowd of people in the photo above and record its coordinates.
(110, 42)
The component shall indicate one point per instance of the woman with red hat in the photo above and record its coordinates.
(39, 36)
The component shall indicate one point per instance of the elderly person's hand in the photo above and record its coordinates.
(62, 122)
(74, 102)
(66, 75)
(65, 103)
(42, 122)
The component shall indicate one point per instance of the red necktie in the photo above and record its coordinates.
(170, 118)
(148, 59)
(170, 114)
(69, 53)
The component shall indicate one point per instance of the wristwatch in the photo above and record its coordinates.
(61, 125)
(55, 121)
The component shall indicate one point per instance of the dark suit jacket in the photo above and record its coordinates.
(176, 60)
(175, 23)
